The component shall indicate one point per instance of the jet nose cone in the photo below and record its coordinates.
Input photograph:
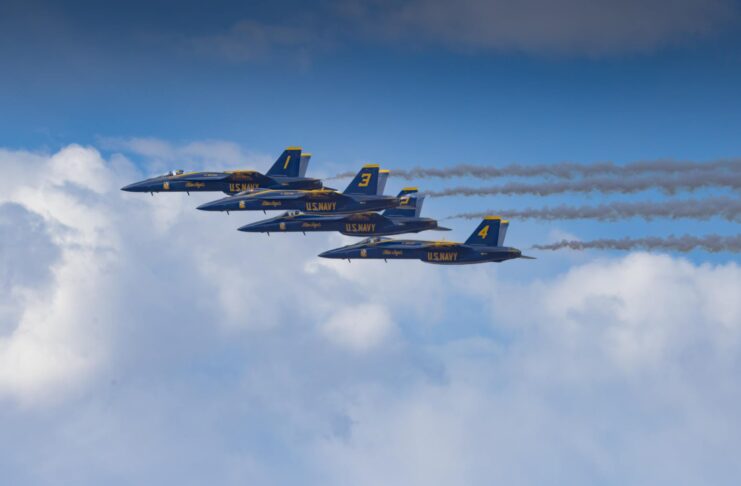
(253, 228)
(135, 187)
(330, 254)
(219, 205)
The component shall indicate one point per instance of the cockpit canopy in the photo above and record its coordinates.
(373, 240)
(175, 172)
(292, 213)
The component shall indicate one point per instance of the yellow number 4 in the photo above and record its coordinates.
(365, 179)
(484, 231)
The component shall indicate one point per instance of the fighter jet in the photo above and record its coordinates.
(288, 172)
(394, 221)
(484, 245)
(360, 196)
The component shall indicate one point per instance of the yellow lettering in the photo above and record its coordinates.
(442, 256)
(239, 187)
(321, 206)
(360, 227)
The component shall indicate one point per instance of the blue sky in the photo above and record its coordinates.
(143, 341)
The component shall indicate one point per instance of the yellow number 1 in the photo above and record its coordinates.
(288, 159)
(484, 231)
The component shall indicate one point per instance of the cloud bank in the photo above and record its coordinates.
(143, 342)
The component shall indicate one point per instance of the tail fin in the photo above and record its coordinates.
(411, 204)
(304, 165)
(383, 176)
(490, 232)
(366, 181)
(288, 164)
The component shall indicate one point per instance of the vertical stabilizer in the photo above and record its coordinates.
(383, 176)
(411, 204)
(305, 158)
(490, 232)
(366, 181)
(288, 164)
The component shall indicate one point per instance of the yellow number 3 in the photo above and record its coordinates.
(365, 179)
(484, 231)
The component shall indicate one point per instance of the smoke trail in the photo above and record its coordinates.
(711, 243)
(565, 170)
(689, 181)
(721, 207)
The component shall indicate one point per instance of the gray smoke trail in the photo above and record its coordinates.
(711, 243)
(565, 170)
(721, 207)
(689, 181)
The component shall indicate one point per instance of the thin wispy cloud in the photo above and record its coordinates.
(544, 27)
(592, 28)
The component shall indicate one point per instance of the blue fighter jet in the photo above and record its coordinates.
(394, 221)
(288, 172)
(484, 245)
(361, 196)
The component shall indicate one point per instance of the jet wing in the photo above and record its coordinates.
(273, 194)
(367, 218)
(203, 176)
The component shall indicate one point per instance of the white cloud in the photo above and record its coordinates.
(148, 341)
(359, 327)
(620, 371)
(162, 156)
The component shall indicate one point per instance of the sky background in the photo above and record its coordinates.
(142, 341)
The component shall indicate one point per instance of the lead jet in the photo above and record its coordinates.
(361, 196)
(484, 245)
(288, 172)
(404, 219)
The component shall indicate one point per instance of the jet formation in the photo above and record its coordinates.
(360, 210)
